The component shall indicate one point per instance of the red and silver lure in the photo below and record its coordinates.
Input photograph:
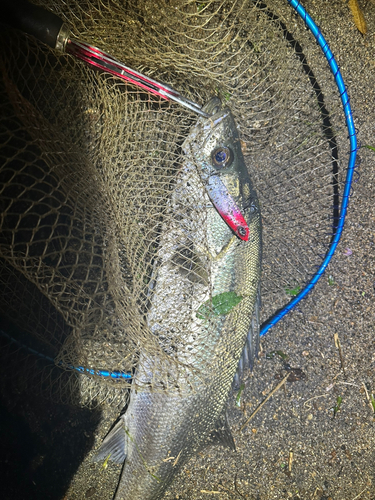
(227, 207)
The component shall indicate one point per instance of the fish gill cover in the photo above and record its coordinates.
(89, 165)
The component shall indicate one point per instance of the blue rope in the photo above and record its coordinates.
(350, 170)
(116, 374)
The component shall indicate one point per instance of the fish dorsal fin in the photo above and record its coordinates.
(250, 351)
(222, 434)
(113, 446)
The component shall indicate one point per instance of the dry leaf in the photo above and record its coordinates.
(358, 16)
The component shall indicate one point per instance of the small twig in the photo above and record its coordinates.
(338, 345)
(225, 488)
(370, 403)
(315, 397)
(348, 383)
(359, 494)
(367, 396)
(178, 456)
(235, 486)
(315, 492)
(265, 401)
(290, 461)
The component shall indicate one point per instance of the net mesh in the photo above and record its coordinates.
(88, 165)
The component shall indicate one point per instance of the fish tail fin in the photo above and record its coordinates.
(113, 447)
(251, 349)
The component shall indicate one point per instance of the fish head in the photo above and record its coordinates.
(214, 146)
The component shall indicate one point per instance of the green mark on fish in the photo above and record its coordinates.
(220, 304)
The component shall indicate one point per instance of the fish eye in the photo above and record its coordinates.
(221, 157)
(242, 231)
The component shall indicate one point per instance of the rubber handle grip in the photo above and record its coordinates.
(31, 19)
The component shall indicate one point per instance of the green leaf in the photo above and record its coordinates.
(373, 402)
(337, 406)
(201, 6)
(272, 354)
(293, 291)
(105, 463)
(331, 281)
(238, 397)
(369, 147)
(282, 355)
(226, 95)
(220, 304)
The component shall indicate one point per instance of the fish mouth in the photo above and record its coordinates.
(213, 106)
(204, 126)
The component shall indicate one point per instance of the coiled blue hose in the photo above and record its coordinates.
(296, 4)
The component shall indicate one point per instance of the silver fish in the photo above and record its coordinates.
(204, 292)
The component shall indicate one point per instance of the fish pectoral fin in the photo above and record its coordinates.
(222, 434)
(113, 447)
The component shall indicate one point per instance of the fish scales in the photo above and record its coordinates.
(199, 258)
